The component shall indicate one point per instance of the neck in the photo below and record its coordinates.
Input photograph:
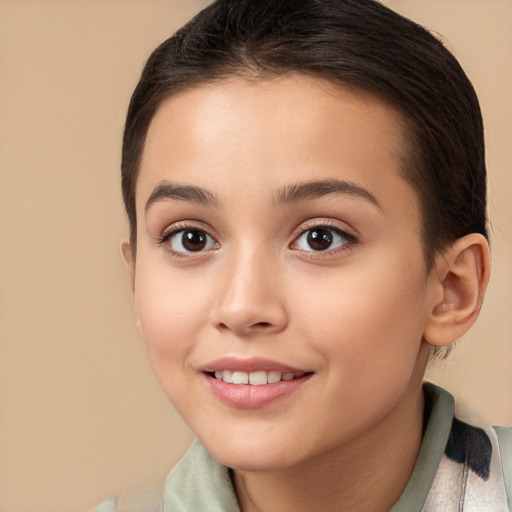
(369, 473)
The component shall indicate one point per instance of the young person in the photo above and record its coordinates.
(306, 189)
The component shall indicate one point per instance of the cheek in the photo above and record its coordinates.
(368, 331)
(171, 310)
(371, 317)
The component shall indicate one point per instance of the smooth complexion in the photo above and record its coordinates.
(275, 232)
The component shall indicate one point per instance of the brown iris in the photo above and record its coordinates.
(194, 240)
(320, 239)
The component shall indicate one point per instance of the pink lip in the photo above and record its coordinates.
(246, 396)
(253, 364)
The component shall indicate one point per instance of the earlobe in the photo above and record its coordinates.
(462, 276)
(127, 252)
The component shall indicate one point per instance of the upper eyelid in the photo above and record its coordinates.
(325, 223)
(185, 225)
(351, 239)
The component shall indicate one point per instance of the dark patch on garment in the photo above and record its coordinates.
(470, 446)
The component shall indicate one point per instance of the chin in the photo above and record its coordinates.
(247, 456)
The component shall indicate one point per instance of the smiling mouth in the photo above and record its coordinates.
(255, 388)
(257, 378)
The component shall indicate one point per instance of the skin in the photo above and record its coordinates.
(355, 315)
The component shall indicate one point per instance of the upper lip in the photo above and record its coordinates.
(252, 364)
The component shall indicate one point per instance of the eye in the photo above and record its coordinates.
(190, 240)
(322, 238)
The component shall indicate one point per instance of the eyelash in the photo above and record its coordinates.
(166, 236)
(351, 239)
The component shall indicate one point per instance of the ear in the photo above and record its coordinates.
(460, 275)
(129, 260)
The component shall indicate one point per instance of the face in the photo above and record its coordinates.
(280, 284)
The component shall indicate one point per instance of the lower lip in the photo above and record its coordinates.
(247, 396)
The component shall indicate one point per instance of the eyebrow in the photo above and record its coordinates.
(167, 190)
(320, 188)
(293, 193)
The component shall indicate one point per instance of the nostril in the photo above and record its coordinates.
(262, 324)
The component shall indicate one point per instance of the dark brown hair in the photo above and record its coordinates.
(356, 43)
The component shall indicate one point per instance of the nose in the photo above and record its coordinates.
(250, 299)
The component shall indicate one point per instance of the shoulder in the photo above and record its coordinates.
(460, 464)
(504, 437)
(471, 472)
(107, 505)
(474, 469)
(197, 482)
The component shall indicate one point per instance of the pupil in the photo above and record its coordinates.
(193, 240)
(320, 239)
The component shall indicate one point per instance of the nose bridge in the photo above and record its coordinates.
(250, 298)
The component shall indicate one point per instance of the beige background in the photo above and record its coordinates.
(80, 413)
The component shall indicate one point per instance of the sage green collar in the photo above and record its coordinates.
(199, 482)
(437, 431)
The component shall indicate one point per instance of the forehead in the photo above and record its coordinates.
(289, 128)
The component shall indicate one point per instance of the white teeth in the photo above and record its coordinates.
(257, 378)
(240, 378)
(273, 377)
(254, 378)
